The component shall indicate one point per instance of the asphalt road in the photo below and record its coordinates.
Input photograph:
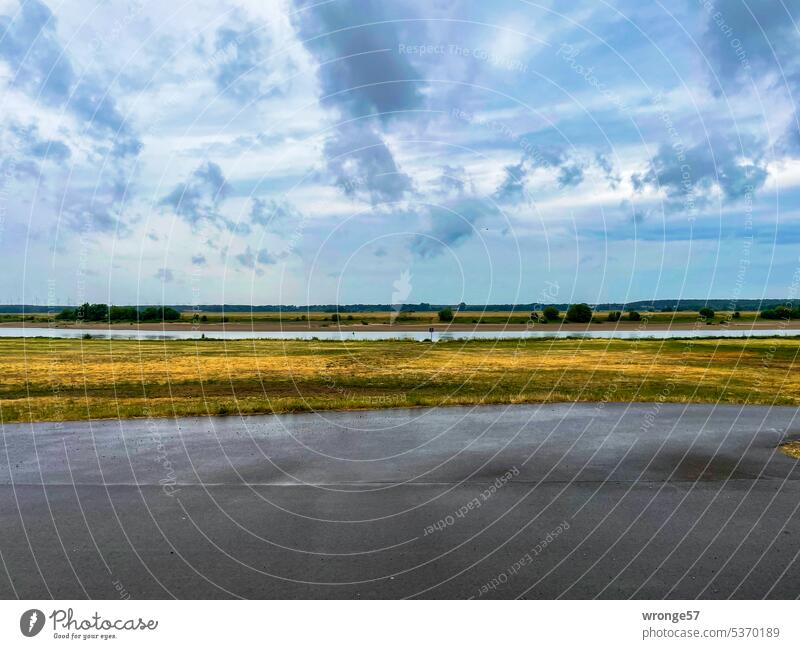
(551, 501)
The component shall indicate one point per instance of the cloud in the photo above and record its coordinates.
(357, 46)
(200, 196)
(199, 260)
(243, 68)
(361, 73)
(688, 178)
(569, 172)
(607, 167)
(30, 46)
(280, 218)
(363, 166)
(164, 274)
(452, 182)
(512, 189)
(265, 258)
(570, 175)
(451, 225)
(30, 143)
(748, 42)
(42, 68)
(249, 258)
(246, 258)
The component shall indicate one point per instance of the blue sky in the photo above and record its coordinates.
(362, 151)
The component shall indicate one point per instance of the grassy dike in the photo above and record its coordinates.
(57, 379)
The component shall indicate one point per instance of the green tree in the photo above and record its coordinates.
(579, 313)
(634, 316)
(614, 316)
(550, 313)
(159, 314)
(446, 314)
(706, 313)
(118, 313)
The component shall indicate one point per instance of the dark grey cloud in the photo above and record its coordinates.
(451, 225)
(200, 196)
(512, 189)
(688, 176)
(363, 166)
(362, 73)
(569, 171)
(42, 68)
(746, 41)
(357, 46)
(30, 46)
(199, 260)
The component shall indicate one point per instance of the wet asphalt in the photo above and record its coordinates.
(538, 501)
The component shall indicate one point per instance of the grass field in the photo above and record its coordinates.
(405, 317)
(52, 379)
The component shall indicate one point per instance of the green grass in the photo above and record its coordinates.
(57, 379)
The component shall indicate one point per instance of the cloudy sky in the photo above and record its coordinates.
(425, 150)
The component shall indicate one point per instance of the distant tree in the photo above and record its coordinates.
(334, 317)
(781, 312)
(92, 312)
(579, 313)
(67, 314)
(446, 314)
(736, 315)
(706, 313)
(550, 313)
(614, 316)
(634, 316)
(159, 314)
(118, 313)
(204, 318)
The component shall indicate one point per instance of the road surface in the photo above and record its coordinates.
(538, 501)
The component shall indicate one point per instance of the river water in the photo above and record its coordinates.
(134, 334)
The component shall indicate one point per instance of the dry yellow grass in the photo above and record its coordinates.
(49, 379)
(792, 449)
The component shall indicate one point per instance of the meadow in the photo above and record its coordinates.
(63, 379)
(401, 319)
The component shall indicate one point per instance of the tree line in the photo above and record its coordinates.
(103, 313)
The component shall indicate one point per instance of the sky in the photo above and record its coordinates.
(356, 151)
